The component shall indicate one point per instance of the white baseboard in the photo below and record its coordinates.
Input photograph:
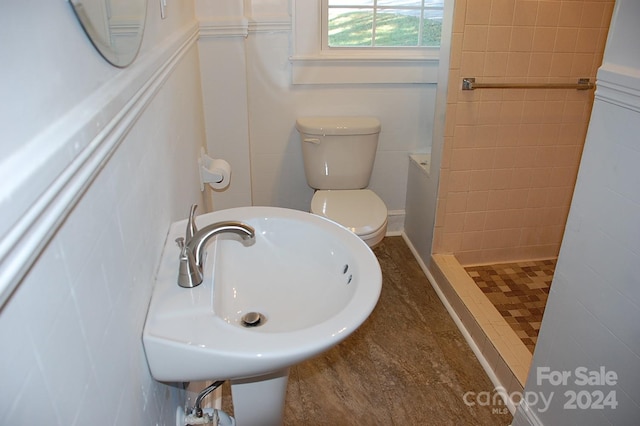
(395, 223)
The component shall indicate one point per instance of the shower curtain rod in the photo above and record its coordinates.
(469, 83)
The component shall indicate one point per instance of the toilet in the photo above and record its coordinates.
(338, 155)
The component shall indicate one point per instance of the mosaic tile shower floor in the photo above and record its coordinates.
(519, 291)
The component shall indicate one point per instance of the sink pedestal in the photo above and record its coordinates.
(259, 401)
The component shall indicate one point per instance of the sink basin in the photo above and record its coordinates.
(312, 281)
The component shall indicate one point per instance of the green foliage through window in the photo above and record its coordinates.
(383, 27)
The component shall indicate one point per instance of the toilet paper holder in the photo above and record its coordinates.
(215, 172)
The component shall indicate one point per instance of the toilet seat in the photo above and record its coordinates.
(359, 210)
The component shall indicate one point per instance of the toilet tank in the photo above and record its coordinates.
(338, 152)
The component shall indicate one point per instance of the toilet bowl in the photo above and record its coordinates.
(360, 210)
(338, 154)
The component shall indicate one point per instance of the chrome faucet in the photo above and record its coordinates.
(192, 247)
(191, 224)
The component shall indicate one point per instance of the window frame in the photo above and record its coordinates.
(311, 64)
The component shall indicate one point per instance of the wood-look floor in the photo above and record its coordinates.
(407, 364)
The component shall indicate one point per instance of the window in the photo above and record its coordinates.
(369, 41)
(382, 23)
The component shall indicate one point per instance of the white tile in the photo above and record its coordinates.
(32, 393)
(114, 266)
(44, 290)
(114, 351)
(92, 302)
(95, 404)
(626, 411)
(65, 362)
(17, 358)
(598, 296)
(622, 175)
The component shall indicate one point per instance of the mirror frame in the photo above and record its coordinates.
(116, 37)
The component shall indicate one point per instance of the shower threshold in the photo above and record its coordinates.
(506, 357)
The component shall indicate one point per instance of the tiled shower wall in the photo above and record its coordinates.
(511, 156)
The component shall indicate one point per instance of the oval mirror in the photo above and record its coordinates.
(115, 27)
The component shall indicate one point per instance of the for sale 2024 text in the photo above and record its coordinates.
(594, 391)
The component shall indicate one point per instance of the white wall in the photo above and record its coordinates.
(422, 191)
(223, 29)
(263, 97)
(71, 331)
(592, 316)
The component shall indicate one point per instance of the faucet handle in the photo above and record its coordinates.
(191, 225)
(180, 243)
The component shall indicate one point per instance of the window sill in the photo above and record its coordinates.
(363, 69)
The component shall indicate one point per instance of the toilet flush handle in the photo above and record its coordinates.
(312, 140)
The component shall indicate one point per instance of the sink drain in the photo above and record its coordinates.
(252, 319)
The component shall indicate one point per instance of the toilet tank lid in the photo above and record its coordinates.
(338, 125)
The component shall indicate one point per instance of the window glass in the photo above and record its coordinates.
(383, 23)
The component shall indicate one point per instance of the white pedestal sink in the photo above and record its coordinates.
(260, 400)
(312, 281)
